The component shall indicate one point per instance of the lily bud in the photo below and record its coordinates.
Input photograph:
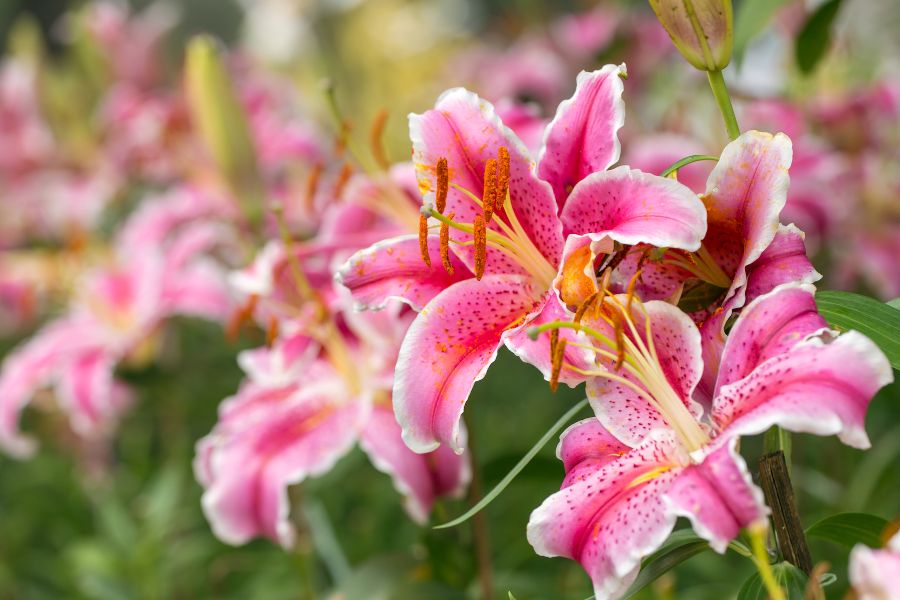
(702, 30)
(222, 124)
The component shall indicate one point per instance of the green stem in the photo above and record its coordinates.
(777, 439)
(761, 558)
(720, 91)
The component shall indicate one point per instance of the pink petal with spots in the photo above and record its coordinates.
(466, 131)
(448, 348)
(36, 364)
(783, 261)
(420, 478)
(769, 326)
(610, 517)
(718, 496)
(744, 196)
(585, 447)
(583, 136)
(537, 352)
(394, 270)
(632, 207)
(821, 386)
(247, 469)
(621, 409)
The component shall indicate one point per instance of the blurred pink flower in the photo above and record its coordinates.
(873, 573)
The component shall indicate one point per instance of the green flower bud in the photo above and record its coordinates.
(222, 124)
(702, 30)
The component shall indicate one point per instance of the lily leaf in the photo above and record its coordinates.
(789, 577)
(815, 37)
(752, 17)
(681, 545)
(698, 295)
(879, 321)
(849, 529)
(498, 489)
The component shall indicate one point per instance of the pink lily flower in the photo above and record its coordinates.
(507, 221)
(297, 414)
(873, 573)
(116, 315)
(746, 251)
(652, 454)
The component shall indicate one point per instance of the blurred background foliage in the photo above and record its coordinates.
(125, 521)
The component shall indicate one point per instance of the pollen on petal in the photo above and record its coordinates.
(443, 185)
(445, 245)
(423, 239)
(480, 235)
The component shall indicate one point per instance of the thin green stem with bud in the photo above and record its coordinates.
(723, 100)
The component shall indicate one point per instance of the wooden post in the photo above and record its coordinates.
(776, 485)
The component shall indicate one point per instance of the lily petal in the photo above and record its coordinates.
(769, 326)
(394, 270)
(783, 261)
(718, 496)
(248, 468)
(582, 137)
(620, 408)
(421, 478)
(466, 131)
(632, 207)
(821, 386)
(610, 517)
(448, 348)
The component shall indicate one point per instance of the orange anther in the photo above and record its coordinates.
(443, 185)
(480, 235)
(343, 178)
(489, 197)
(502, 178)
(423, 239)
(556, 366)
(445, 245)
(376, 136)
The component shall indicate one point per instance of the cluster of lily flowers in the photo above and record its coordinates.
(686, 307)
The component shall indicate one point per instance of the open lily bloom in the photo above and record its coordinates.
(304, 405)
(507, 220)
(873, 573)
(746, 251)
(652, 454)
(116, 317)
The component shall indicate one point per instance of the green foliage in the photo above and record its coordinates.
(752, 17)
(498, 489)
(680, 546)
(789, 577)
(815, 37)
(849, 529)
(879, 321)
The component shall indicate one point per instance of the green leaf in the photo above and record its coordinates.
(895, 303)
(789, 577)
(849, 529)
(752, 17)
(698, 295)
(880, 322)
(681, 545)
(490, 496)
(815, 37)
